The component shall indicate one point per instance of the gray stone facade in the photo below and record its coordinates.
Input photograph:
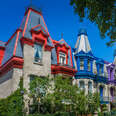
(9, 82)
(30, 67)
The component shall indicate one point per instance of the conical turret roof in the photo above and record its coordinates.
(82, 43)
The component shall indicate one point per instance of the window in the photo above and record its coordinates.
(81, 85)
(115, 75)
(100, 71)
(89, 87)
(81, 64)
(94, 67)
(88, 65)
(62, 58)
(38, 53)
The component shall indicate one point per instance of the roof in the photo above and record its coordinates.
(32, 19)
(82, 43)
(2, 44)
(54, 52)
(13, 48)
(62, 41)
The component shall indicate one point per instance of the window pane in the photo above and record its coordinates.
(81, 85)
(62, 58)
(90, 87)
(88, 65)
(81, 64)
(37, 52)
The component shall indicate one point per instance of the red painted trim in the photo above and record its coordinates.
(64, 42)
(39, 13)
(71, 56)
(40, 31)
(14, 62)
(13, 36)
(56, 69)
(1, 47)
(44, 24)
(26, 23)
(48, 48)
(26, 41)
(16, 43)
(36, 26)
(2, 50)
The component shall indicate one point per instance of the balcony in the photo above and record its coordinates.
(107, 100)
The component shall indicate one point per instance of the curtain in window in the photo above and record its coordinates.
(38, 51)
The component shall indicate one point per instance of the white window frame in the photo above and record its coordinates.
(88, 65)
(81, 64)
(82, 85)
(37, 59)
(61, 56)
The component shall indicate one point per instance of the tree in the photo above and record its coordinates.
(61, 97)
(38, 89)
(13, 105)
(100, 12)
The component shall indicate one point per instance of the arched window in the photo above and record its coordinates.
(89, 87)
(81, 85)
(81, 64)
(37, 53)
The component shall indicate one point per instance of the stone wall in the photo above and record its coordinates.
(9, 82)
(30, 67)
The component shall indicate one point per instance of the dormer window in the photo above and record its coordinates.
(38, 53)
(81, 64)
(62, 58)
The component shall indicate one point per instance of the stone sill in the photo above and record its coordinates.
(39, 63)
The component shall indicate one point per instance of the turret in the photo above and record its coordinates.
(82, 43)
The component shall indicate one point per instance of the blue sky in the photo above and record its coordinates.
(59, 17)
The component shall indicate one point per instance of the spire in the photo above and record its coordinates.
(82, 43)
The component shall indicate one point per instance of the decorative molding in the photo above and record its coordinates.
(14, 62)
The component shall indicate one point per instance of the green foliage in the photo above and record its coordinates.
(62, 98)
(13, 105)
(100, 12)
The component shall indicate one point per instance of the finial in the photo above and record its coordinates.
(82, 31)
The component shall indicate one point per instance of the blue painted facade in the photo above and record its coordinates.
(92, 69)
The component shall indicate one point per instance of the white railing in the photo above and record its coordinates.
(109, 99)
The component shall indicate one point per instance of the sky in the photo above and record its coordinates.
(59, 17)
